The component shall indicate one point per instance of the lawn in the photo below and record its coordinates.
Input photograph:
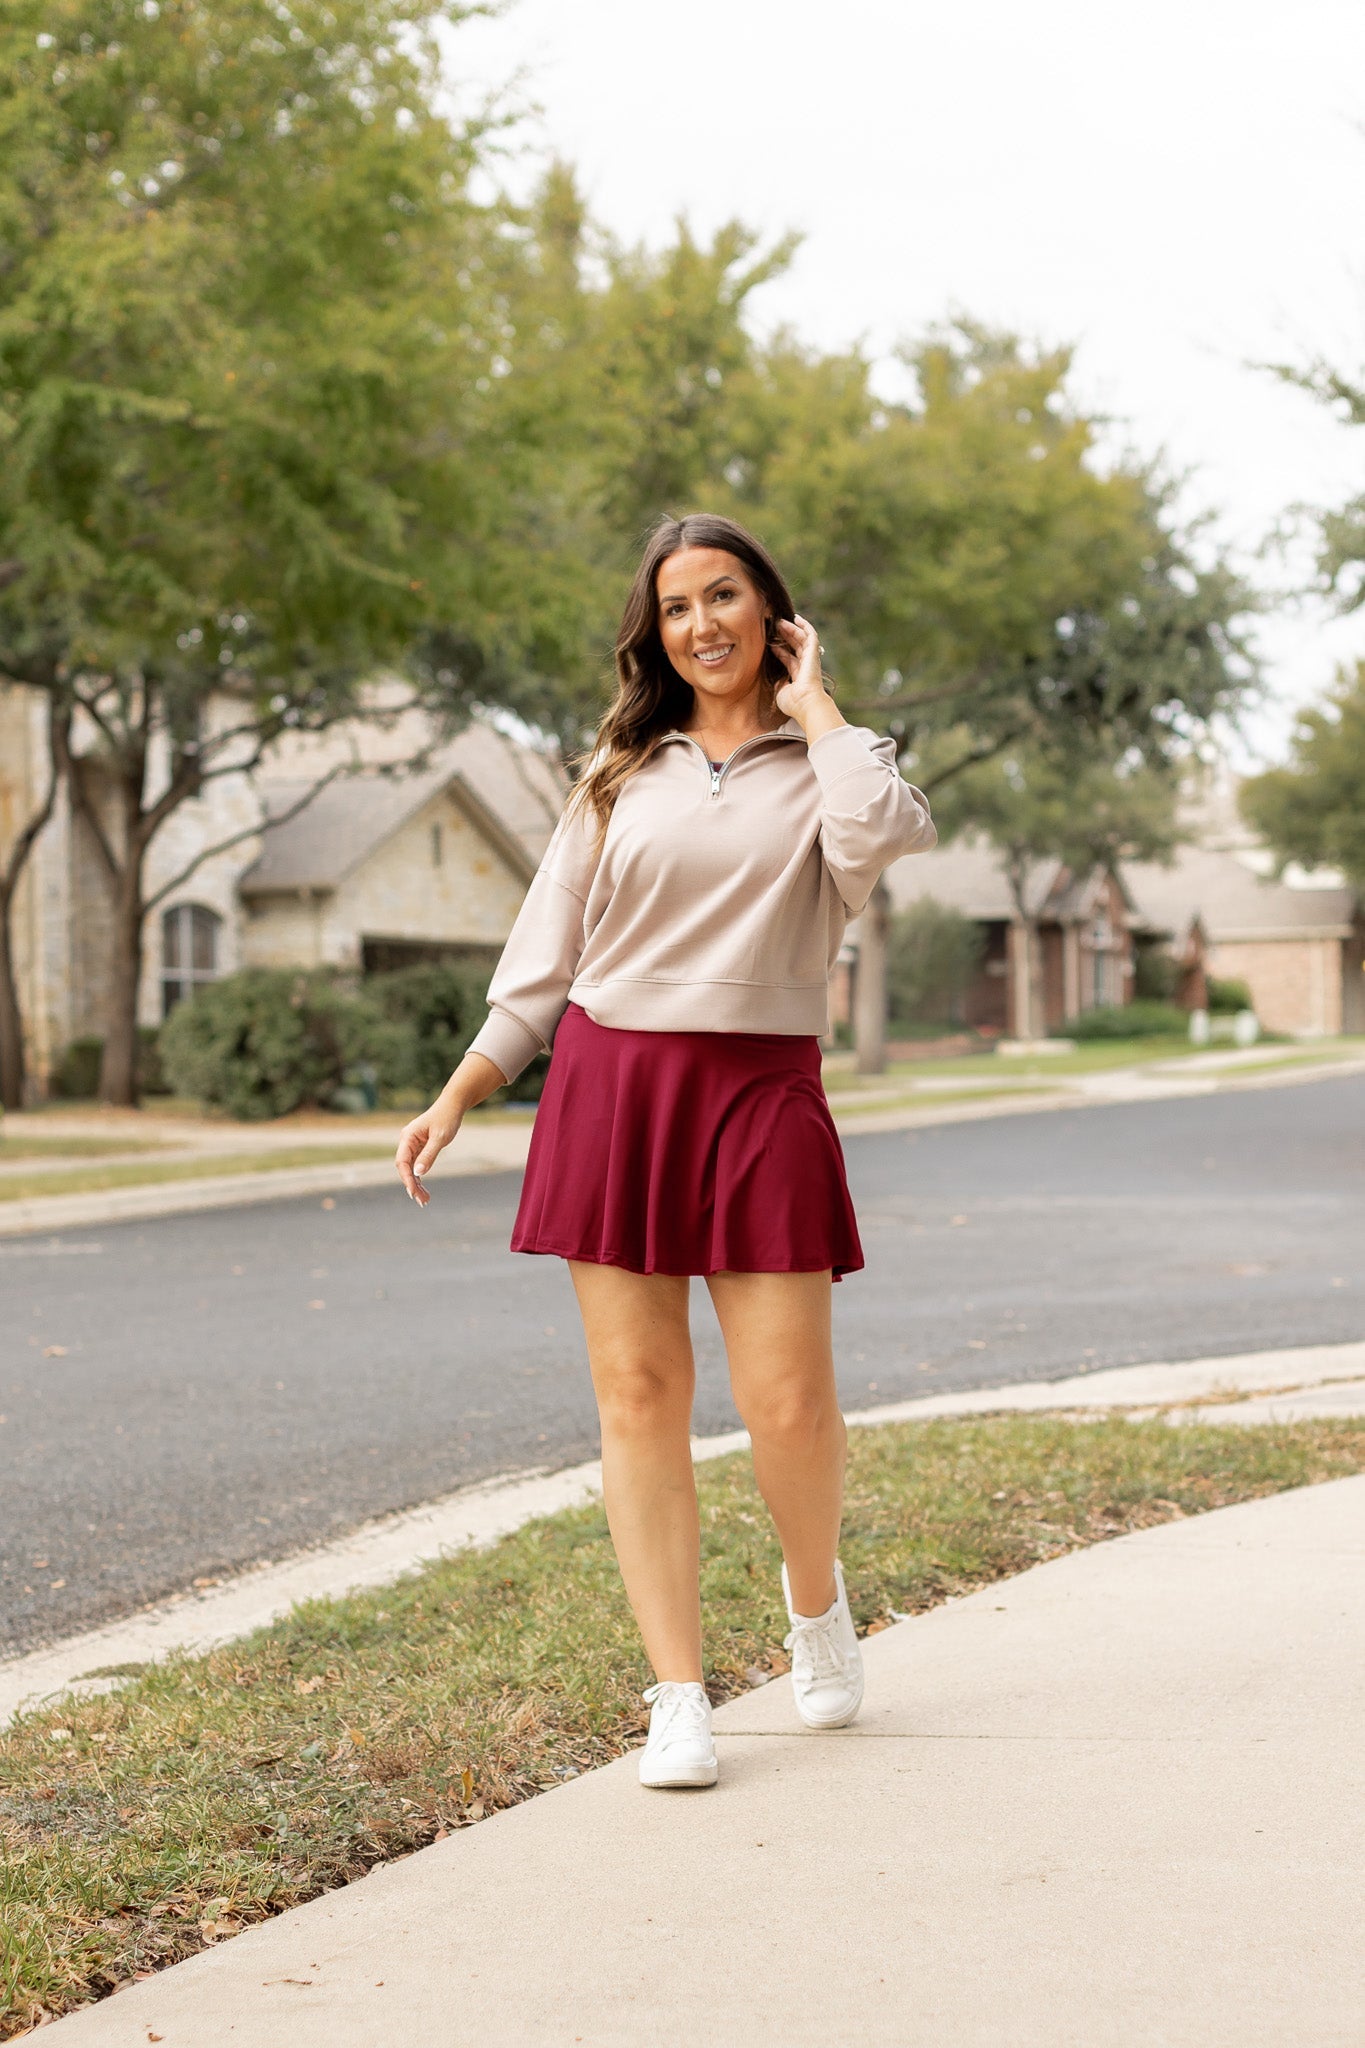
(134, 1173)
(203, 1794)
(75, 1147)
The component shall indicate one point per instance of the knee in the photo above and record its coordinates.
(635, 1398)
(793, 1420)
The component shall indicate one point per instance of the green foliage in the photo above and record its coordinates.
(1313, 809)
(1226, 998)
(416, 1024)
(1156, 974)
(1127, 1020)
(1035, 807)
(262, 1042)
(932, 953)
(423, 1018)
(77, 1074)
(265, 1041)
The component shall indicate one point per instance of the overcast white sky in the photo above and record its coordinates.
(1175, 188)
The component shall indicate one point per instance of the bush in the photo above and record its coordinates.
(264, 1041)
(1156, 975)
(77, 1076)
(933, 951)
(1128, 1020)
(1226, 998)
(420, 1023)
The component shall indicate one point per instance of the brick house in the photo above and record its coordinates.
(1077, 948)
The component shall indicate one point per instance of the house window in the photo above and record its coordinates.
(189, 952)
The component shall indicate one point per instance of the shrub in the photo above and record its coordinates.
(1128, 1020)
(77, 1075)
(263, 1041)
(933, 951)
(1226, 998)
(420, 1021)
(1156, 974)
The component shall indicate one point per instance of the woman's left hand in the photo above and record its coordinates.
(797, 646)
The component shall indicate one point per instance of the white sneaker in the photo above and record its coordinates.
(827, 1664)
(679, 1750)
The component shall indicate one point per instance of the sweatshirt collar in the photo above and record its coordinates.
(790, 728)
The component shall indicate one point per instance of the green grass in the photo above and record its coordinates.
(1087, 1059)
(92, 1180)
(210, 1792)
(42, 1147)
(925, 1098)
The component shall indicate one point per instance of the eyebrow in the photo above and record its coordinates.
(676, 596)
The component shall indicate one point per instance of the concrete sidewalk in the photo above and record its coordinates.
(1114, 1800)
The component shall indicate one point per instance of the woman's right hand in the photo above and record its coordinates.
(421, 1143)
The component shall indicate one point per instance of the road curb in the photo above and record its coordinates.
(48, 1214)
(383, 1550)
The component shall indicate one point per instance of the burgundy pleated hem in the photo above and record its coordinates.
(686, 1152)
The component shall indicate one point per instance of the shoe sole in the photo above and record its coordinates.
(693, 1778)
(843, 1721)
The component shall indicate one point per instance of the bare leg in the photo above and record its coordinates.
(640, 1351)
(777, 1338)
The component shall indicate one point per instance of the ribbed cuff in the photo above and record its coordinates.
(505, 1041)
(838, 752)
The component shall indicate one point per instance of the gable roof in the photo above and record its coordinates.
(1234, 897)
(512, 793)
(968, 874)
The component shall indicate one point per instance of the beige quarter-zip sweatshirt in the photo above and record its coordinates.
(717, 899)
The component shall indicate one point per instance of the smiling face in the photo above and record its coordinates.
(713, 623)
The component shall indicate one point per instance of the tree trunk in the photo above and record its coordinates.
(119, 1063)
(12, 1063)
(11, 1021)
(869, 988)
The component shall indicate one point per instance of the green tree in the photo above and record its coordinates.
(1313, 809)
(249, 338)
(932, 954)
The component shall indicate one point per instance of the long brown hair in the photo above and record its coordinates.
(651, 697)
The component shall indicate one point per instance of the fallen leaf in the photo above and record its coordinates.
(54, 1351)
(309, 1684)
(328, 1202)
(57, 1585)
(317, 1304)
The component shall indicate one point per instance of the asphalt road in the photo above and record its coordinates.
(185, 1397)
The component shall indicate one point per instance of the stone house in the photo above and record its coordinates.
(380, 868)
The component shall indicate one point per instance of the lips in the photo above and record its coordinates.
(712, 657)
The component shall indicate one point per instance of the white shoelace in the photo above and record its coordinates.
(681, 1711)
(815, 1655)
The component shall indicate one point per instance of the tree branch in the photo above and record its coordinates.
(24, 842)
(972, 759)
(236, 838)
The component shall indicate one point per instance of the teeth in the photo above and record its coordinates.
(714, 654)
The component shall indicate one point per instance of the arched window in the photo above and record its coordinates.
(189, 951)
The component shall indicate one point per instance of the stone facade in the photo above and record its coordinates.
(378, 868)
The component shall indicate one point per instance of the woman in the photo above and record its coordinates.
(676, 945)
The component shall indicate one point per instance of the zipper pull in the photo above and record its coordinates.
(715, 780)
